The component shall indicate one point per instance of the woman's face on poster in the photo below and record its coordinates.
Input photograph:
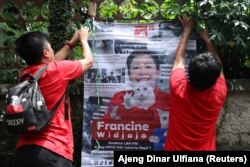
(143, 68)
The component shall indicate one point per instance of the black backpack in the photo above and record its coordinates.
(26, 110)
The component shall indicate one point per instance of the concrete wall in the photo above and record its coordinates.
(233, 129)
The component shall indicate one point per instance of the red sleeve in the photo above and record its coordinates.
(178, 80)
(139, 114)
(129, 114)
(162, 100)
(220, 90)
(116, 100)
(69, 70)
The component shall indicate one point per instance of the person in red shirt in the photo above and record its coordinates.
(53, 146)
(143, 66)
(195, 101)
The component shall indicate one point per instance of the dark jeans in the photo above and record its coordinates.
(36, 156)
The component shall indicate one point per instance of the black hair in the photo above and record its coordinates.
(152, 54)
(30, 47)
(203, 70)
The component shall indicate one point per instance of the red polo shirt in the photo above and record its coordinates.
(57, 136)
(193, 114)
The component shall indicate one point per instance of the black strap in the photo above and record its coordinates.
(36, 77)
(40, 72)
(33, 77)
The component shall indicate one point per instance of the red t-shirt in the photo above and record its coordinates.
(135, 113)
(193, 114)
(57, 136)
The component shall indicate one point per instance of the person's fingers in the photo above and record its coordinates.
(184, 17)
(85, 28)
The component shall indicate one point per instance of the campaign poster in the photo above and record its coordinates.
(126, 92)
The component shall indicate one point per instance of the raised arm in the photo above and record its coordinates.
(210, 47)
(63, 53)
(179, 58)
(87, 60)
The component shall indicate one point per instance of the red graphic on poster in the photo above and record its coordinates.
(141, 31)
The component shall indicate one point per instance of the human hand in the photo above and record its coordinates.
(127, 100)
(74, 38)
(187, 23)
(83, 34)
(204, 34)
(114, 114)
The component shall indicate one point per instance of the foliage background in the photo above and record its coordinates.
(228, 21)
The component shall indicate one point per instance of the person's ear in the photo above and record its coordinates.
(46, 54)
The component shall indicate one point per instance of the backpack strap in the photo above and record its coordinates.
(33, 77)
(40, 72)
(36, 77)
